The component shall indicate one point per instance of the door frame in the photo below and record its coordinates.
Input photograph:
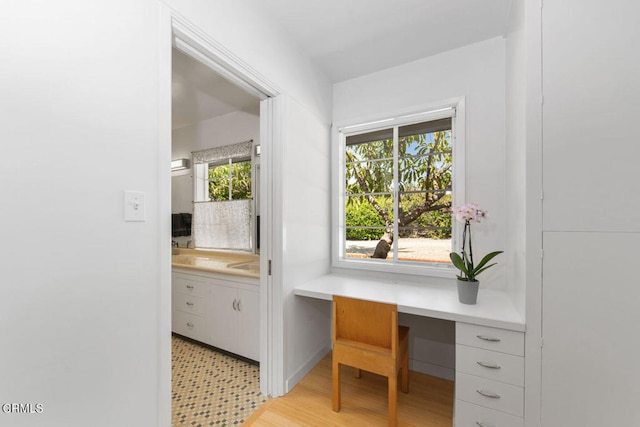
(176, 31)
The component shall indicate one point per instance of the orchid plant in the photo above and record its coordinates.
(464, 262)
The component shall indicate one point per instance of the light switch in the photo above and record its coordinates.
(134, 206)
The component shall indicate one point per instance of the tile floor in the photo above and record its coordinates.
(210, 388)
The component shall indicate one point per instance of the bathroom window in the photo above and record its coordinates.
(224, 173)
(224, 206)
(397, 181)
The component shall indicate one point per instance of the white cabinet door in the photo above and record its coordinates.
(590, 374)
(221, 313)
(223, 317)
(248, 324)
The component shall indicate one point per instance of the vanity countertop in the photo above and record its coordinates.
(232, 263)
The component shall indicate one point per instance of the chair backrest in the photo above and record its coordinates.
(367, 322)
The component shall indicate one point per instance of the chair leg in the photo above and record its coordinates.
(393, 400)
(335, 385)
(404, 384)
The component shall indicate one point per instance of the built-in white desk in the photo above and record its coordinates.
(440, 301)
(489, 340)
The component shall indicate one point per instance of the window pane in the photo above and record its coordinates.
(367, 220)
(372, 145)
(219, 183)
(367, 248)
(425, 161)
(424, 250)
(369, 177)
(424, 231)
(240, 181)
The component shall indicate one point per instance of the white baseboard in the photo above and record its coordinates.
(305, 369)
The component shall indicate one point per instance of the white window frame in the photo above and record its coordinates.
(453, 108)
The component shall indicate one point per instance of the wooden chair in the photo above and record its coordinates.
(366, 336)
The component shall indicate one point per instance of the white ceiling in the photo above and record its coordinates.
(198, 93)
(350, 38)
(345, 39)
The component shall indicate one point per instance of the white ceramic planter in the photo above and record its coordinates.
(468, 291)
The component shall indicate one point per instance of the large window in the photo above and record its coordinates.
(398, 184)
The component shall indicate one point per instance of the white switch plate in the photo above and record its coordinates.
(134, 206)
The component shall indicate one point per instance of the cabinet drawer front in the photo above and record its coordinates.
(189, 304)
(470, 415)
(189, 325)
(189, 286)
(495, 339)
(491, 394)
(493, 365)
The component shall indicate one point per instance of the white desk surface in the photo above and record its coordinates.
(439, 301)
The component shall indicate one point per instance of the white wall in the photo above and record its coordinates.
(79, 298)
(305, 252)
(81, 287)
(591, 227)
(476, 72)
(231, 128)
(515, 155)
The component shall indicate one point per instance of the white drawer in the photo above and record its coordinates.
(492, 394)
(189, 304)
(493, 365)
(470, 415)
(190, 325)
(495, 339)
(189, 286)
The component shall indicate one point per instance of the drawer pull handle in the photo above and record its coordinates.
(489, 394)
(189, 324)
(483, 424)
(488, 365)
(235, 305)
(238, 305)
(189, 303)
(189, 286)
(487, 338)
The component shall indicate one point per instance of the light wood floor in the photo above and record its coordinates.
(429, 402)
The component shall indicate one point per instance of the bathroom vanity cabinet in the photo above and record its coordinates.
(217, 310)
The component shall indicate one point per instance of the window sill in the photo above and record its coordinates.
(446, 271)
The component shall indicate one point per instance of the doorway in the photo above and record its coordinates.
(189, 41)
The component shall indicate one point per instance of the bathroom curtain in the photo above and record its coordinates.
(222, 225)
